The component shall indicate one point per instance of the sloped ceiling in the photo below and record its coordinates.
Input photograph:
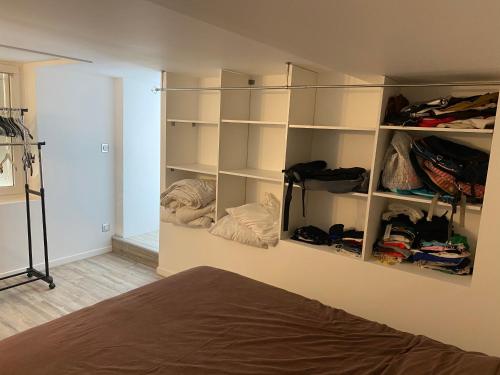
(117, 34)
(400, 38)
(453, 38)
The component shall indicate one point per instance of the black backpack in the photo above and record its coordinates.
(333, 180)
(298, 173)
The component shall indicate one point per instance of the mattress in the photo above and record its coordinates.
(209, 321)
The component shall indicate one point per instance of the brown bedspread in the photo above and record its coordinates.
(208, 321)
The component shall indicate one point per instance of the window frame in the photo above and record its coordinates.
(17, 187)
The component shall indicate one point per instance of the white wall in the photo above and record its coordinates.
(75, 114)
(138, 159)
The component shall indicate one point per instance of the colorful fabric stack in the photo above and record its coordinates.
(349, 241)
(400, 233)
(452, 256)
(396, 244)
(472, 112)
(410, 237)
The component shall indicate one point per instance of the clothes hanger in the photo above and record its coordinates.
(5, 159)
(7, 127)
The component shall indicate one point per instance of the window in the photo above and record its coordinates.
(6, 158)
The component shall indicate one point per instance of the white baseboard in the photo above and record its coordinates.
(64, 260)
(164, 272)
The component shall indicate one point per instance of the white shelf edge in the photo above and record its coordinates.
(328, 127)
(201, 122)
(437, 130)
(197, 168)
(328, 249)
(255, 122)
(258, 174)
(417, 199)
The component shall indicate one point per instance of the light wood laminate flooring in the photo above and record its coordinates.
(78, 285)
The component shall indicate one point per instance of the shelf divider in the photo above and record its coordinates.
(331, 127)
(195, 167)
(259, 174)
(419, 199)
(254, 122)
(201, 122)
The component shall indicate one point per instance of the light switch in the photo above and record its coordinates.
(105, 147)
(105, 227)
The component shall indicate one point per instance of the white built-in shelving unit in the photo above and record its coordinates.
(245, 138)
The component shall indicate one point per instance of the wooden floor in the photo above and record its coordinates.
(79, 284)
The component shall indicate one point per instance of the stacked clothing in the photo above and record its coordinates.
(472, 112)
(452, 256)
(409, 236)
(400, 223)
(189, 202)
(349, 242)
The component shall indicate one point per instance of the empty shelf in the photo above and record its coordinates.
(439, 130)
(260, 174)
(228, 121)
(198, 168)
(324, 127)
(419, 199)
(201, 122)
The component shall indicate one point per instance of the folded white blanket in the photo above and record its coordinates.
(203, 221)
(195, 193)
(186, 214)
(253, 224)
(261, 218)
(229, 228)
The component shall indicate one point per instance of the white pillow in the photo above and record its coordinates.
(261, 219)
(228, 228)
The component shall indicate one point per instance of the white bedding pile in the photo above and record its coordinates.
(189, 202)
(254, 224)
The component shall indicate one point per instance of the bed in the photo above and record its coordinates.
(209, 321)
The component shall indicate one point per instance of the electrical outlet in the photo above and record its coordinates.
(104, 147)
(105, 227)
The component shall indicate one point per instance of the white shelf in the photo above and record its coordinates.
(328, 249)
(201, 122)
(195, 167)
(324, 127)
(254, 122)
(463, 280)
(259, 174)
(436, 130)
(419, 199)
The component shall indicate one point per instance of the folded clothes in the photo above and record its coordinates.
(471, 123)
(395, 209)
(463, 268)
(476, 111)
(424, 242)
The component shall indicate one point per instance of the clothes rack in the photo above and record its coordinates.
(31, 272)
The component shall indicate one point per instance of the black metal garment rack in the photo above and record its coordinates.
(32, 273)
